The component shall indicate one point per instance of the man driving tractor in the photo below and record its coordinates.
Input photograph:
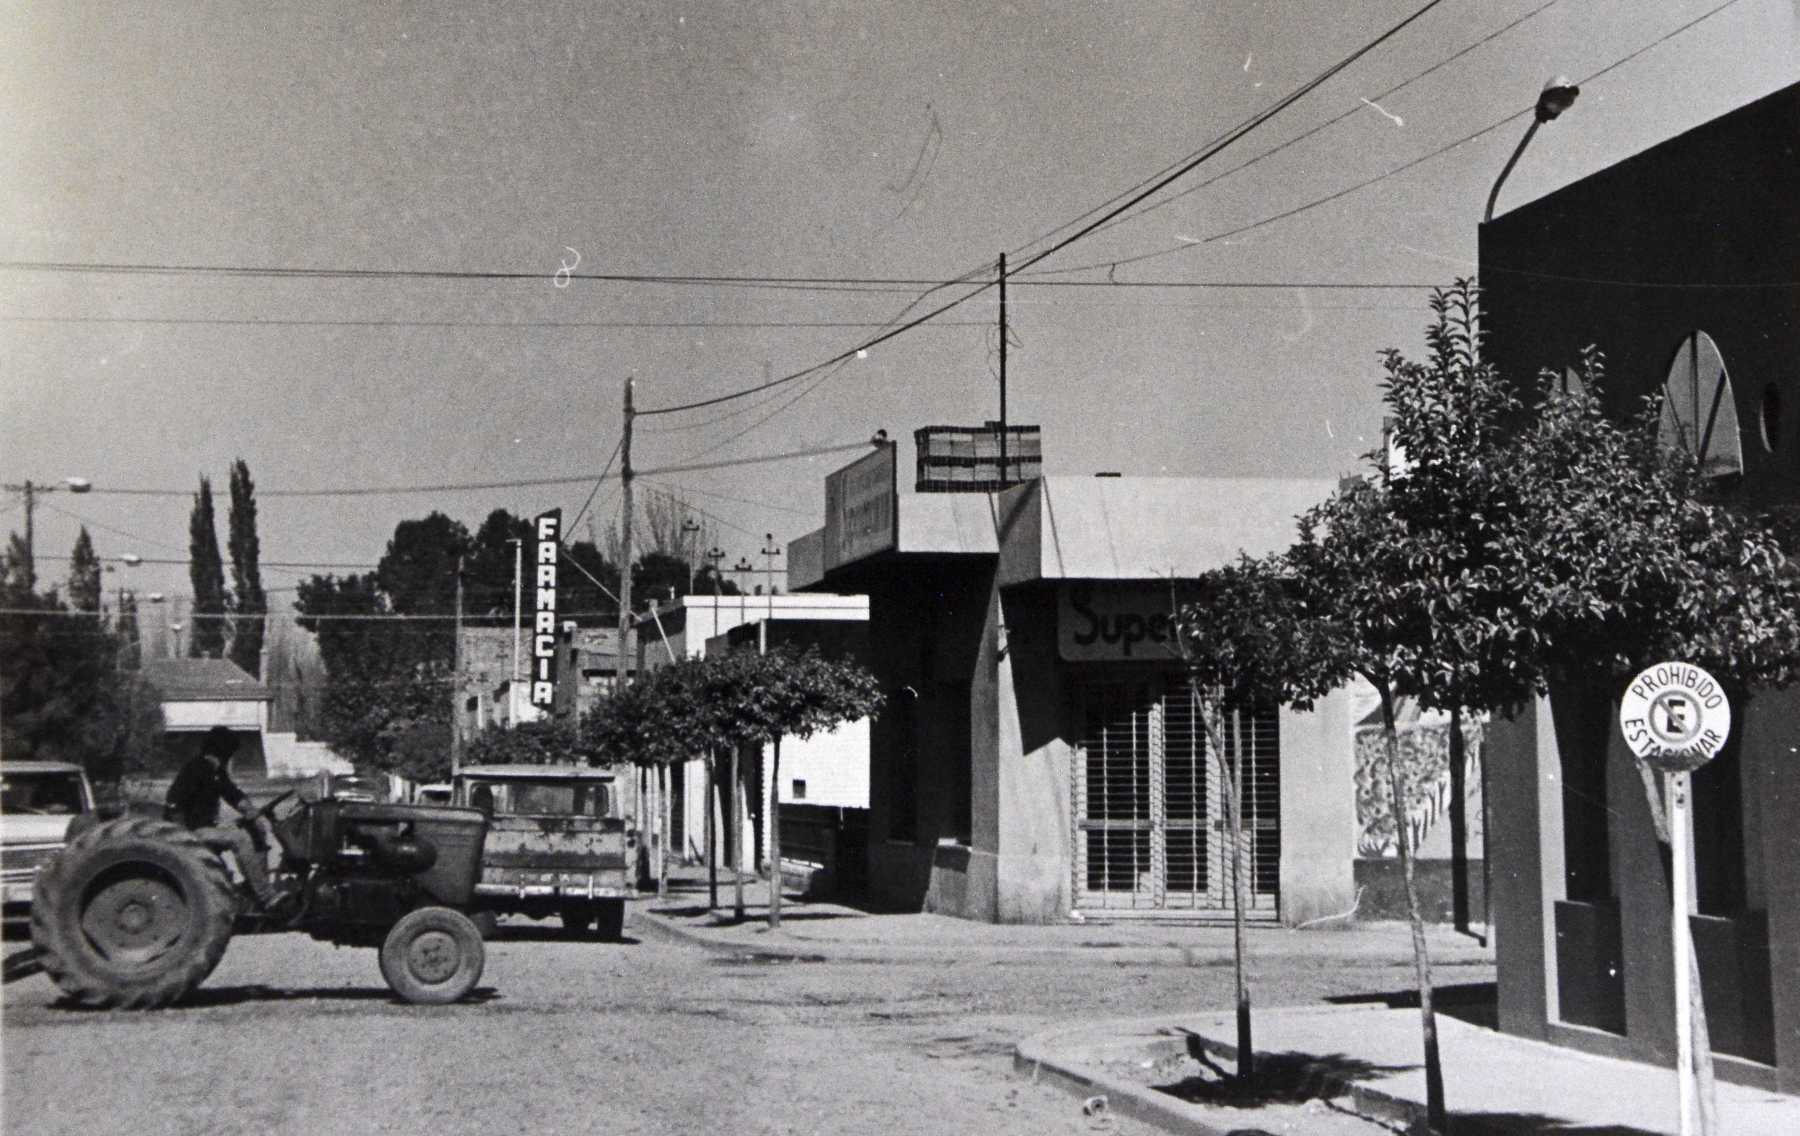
(193, 801)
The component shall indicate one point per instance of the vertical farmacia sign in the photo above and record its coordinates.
(547, 536)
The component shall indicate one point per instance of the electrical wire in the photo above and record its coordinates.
(759, 325)
(1208, 152)
(1354, 109)
(1423, 158)
(617, 446)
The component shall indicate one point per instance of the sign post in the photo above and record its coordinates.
(1676, 718)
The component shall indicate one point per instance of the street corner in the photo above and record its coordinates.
(1165, 1073)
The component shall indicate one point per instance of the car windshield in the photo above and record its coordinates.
(54, 792)
(541, 798)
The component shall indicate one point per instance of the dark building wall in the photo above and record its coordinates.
(1699, 233)
(928, 624)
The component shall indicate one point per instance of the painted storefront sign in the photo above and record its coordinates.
(860, 508)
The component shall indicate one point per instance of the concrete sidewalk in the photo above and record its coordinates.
(824, 930)
(1367, 1061)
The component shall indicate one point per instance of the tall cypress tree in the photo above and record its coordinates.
(84, 574)
(130, 639)
(207, 572)
(246, 577)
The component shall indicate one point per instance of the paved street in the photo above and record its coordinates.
(654, 1035)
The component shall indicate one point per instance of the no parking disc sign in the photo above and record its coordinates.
(1675, 717)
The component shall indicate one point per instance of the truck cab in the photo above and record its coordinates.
(38, 801)
(557, 843)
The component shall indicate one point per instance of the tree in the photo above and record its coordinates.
(1515, 551)
(252, 604)
(207, 574)
(695, 705)
(537, 742)
(21, 571)
(63, 694)
(1245, 643)
(84, 574)
(131, 640)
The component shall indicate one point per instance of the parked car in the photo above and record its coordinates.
(352, 787)
(38, 801)
(437, 793)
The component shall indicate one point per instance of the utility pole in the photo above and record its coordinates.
(1002, 370)
(512, 685)
(30, 548)
(713, 554)
(456, 681)
(689, 529)
(625, 477)
(739, 805)
(770, 551)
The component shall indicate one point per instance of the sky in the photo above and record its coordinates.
(518, 148)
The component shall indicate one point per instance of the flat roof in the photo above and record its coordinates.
(576, 772)
(1101, 528)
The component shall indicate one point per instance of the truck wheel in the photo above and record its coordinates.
(133, 913)
(576, 919)
(433, 955)
(612, 920)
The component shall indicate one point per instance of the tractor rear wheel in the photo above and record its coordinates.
(610, 926)
(433, 955)
(133, 913)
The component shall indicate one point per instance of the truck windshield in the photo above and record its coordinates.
(542, 798)
(57, 793)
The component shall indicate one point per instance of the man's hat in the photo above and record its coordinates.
(220, 742)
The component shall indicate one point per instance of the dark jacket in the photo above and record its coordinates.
(195, 794)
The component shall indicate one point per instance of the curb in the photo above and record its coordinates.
(976, 954)
(1035, 1059)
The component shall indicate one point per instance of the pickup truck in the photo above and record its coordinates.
(38, 801)
(557, 844)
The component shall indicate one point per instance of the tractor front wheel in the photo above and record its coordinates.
(433, 955)
(133, 913)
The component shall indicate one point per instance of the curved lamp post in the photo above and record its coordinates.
(1557, 96)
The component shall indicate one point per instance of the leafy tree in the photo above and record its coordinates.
(1514, 552)
(207, 574)
(63, 695)
(252, 604)
(488, 568)
(1245, 643)
(84, 574)
(694, 705)
(538, 742)
(658, 576)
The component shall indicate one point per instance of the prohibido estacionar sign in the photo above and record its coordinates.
(1675, 717)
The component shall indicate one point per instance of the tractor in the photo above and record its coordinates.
(135, 912)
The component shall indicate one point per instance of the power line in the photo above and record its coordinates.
(670, 485)
(1354, 109)
(558, 324)
(1423, 158)
(597, 482)
(1231, 136)
(726, 463)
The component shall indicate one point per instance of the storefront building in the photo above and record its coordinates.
(1039, 756)
(1682, 264)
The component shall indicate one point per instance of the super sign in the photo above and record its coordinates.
(1675, 717)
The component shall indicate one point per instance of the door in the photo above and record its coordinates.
(1150, 820)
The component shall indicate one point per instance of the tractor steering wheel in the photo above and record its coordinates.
(267, 812)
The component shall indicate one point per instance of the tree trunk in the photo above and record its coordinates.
(663, 818)
(1459, 825)
(1436, 1113)
(737, 832)
(1705, 1083)
(1234, 810)
(712, 848)
(774, 823)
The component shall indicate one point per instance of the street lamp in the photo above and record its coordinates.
(715, 554)
(1557, 96)
(770, 551)
(743, 568)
